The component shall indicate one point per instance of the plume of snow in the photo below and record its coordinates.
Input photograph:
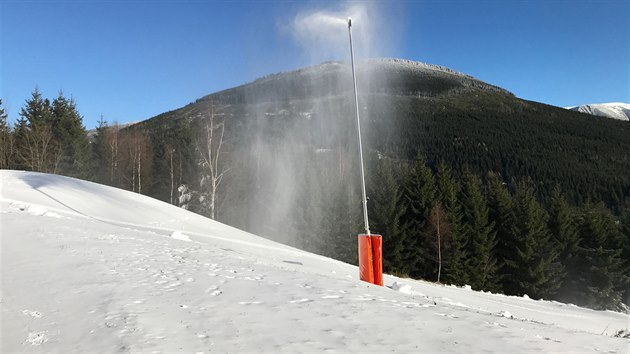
(323, 34)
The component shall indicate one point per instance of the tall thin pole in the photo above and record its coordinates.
(356, 103)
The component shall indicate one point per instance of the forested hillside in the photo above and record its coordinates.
(528, 198)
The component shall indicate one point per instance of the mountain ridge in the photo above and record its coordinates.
(614, 110)
(380, 75)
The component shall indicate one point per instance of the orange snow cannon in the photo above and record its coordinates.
(371, 259)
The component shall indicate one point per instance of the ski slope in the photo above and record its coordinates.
(90, 268)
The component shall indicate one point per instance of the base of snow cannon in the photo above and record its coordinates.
(370, 259)
(377, 258)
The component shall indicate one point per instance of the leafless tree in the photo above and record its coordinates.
(441, 228)
(136, 160)
(112, 137)
(171, 151)
(210, 150)
(36, 150)
(7, 149)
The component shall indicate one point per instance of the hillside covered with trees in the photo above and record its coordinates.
(467, 183)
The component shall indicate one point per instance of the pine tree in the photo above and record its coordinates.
(480, 234)
(565, 234)
(100, 153)
(70, 138)
(308, 214)
(36, 110)
(535, 268)
(419, 194)
(34, 136)
(502, 213)
(455, 256)
(625, 222)
(385, 213)
(6, 141)
(603, 275)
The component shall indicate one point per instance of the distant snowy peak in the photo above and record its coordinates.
(615, 110)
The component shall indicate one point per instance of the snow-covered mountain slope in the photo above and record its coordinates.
(89, 268)
(616, 110)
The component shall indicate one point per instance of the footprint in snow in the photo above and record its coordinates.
(34, 314)
(173, 285)
(37, 338)
(299, 301)
(214, 291)
(250, 302)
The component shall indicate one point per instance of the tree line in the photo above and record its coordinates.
(443, 217)
(497, 236)
(49, 137)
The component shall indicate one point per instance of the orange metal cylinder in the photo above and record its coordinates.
(366, 265)
(377, 258)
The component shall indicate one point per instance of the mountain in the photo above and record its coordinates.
(91, 268)
(615, 110)
(278, 158)
(410, 108)
(378, 76)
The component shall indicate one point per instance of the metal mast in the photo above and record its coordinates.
(356, 102)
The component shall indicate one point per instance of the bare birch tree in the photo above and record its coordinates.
(112, 138)
(439, 225)
(210, 151)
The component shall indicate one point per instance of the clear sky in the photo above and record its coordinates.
(131, 60)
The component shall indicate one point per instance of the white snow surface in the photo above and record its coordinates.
(615, 110)
(111, 273)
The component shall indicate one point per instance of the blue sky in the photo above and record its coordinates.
(131, 60)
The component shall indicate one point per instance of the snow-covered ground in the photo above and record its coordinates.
(89, 268)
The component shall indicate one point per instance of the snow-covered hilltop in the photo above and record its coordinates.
(389, 76)
(615, 110)
(90, 268)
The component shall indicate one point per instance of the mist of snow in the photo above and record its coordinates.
(322, 33)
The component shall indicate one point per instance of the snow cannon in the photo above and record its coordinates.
(371, 258)
(370, 246)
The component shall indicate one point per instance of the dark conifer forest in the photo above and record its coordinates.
(468, 184)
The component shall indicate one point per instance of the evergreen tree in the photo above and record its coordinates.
(36, 110)
(534, 267)
(100, 153)
(565, 234)
(502, 213)
(70, 138)
(6, 141)
(385, 213)
(308, 215)
(455, 256)
(603, 275)
(20, 140)
(420, 195)
(625, 223)
(33, 136)
(480, 234)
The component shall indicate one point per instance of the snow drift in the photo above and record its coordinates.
(87, 267)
